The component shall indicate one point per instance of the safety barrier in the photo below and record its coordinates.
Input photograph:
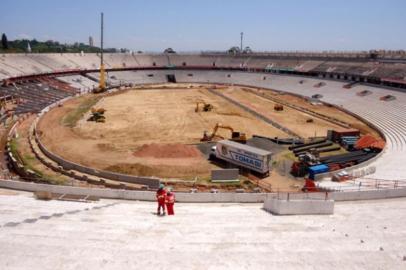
(205, 197)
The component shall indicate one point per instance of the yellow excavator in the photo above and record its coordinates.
(97, 115)
(235, 136)
(207, 107)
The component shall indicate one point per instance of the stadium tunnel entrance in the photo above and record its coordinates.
(170, 78)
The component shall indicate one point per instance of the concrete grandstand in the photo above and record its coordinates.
(39, 83)
(63, 73)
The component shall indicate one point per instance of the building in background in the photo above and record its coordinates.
(91, 42)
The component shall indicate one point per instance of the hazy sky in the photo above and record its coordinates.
(193, 25)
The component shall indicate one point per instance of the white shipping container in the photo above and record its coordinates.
(246, 156)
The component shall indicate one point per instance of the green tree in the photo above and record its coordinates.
(4, 42)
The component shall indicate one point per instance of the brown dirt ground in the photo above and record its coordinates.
(137, 119)
(167, 151)
(289, 118)
(144, 117)
(323, 109)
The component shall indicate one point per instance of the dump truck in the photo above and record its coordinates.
(253, 158)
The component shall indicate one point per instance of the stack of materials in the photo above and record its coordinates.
(368, 141)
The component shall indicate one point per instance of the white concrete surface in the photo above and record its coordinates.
(113, 234)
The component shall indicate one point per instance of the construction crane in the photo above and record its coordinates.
(207, 107)
(102, 80)
(235, 136)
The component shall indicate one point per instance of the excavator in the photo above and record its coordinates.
(207, 107)
(97, 115)
(235, 136)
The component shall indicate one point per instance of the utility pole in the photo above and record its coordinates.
(242, 36)
(102, 82)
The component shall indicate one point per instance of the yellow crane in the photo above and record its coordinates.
(102, 79)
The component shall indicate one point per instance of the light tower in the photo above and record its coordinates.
(242, 36)
(102, 82)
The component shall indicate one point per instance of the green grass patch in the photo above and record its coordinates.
(29, 162)
(14, 149)
(71, 118)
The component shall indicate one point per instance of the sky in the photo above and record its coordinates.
(196, 25)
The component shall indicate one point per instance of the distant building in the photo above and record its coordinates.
(91, 43)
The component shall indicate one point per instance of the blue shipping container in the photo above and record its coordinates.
(313, 170)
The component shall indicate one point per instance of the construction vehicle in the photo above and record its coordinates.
(309, 120)
(235, 136)
(278, 107)
(306, 160)
(207, 107)
(97, 115)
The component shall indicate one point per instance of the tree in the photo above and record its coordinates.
(247, 50)
(169, 50)
(234, 50)
(4, 41)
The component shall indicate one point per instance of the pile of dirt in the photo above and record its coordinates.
(167, 151)
(160, 170)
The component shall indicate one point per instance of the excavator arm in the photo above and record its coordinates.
(235, 136)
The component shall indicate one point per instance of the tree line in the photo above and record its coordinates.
(49, 46)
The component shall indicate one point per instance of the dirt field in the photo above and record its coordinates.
(289, 118)
(325, 110)
(137, 119)
(152, 132)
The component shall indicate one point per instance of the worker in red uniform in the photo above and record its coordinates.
(161, 197)
(170, 202)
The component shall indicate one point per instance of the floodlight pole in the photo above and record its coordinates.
(242, 36)
(102, 82)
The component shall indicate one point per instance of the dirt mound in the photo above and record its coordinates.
(184, 172)
(167, 151)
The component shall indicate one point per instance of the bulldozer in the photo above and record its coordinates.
(97, 115)
(235, 136)
(207, 107)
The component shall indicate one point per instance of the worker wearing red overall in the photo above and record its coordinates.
(161, 197)
(170, 202)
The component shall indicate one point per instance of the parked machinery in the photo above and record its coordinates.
(306, 160)
(97, 115)
(235, 135)
(278, 107)
(207, 107)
